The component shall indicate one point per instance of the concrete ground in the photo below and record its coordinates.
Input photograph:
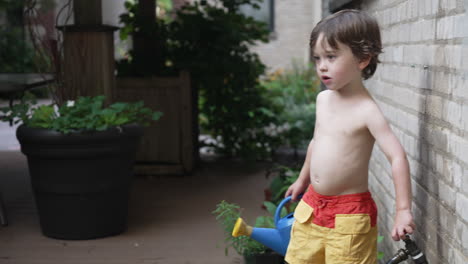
(170, 220)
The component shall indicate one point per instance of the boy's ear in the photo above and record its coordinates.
(364, 62)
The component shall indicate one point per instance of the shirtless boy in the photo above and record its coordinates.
(335, 222)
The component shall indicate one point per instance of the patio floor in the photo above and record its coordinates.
(170, 218)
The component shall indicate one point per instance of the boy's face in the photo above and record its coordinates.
(337, 68)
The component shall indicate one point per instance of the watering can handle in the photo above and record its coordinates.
(280, 206)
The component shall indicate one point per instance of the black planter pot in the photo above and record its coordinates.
(265, 258)
(81, 181)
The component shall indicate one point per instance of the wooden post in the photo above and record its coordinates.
(88, 61)
(88, 53)
(186, 123)
(146, 45)
(87, 12)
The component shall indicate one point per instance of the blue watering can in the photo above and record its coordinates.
(275, 238)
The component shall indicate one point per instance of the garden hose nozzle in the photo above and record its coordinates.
(416, 254)
(412, 250)
(400, 256)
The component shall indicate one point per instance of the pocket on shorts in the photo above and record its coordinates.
(300, 231)
(303, 212)
(353, 239)
(352, 224)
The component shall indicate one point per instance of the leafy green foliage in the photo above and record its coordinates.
(84, 114)
(284, 116)
(212, 40)
(284, 177)
(292, 96)
(380, 254)
(226, 215)
(16, 54)
(271, 208)
(268, 221)
(265, 222)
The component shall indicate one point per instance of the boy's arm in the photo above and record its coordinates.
(303, 180)
(396, 155)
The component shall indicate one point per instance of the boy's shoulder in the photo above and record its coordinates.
(366, 105)
(365, 100)
(323, 95)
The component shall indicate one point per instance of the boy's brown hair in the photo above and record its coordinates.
(355, 29)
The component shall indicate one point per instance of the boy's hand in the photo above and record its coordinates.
(403, 224)
(297, 188)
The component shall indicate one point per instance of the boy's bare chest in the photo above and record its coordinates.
(340, 122)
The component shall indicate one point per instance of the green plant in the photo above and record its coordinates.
(84, 114)
(256, 137)
(212, 40)
(380, 254)
(284, 115)
(230, 104)
(226, 215)
(292, 96)
(284, 177)
(16, 55)
(141, 28)
(268, 221)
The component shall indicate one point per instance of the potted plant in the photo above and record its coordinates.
(252, 251)
(80, 158)
(80, 153)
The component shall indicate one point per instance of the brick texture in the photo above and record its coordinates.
(421, 86)
(289, 43)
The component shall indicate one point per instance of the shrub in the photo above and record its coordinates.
(212, 40)
(292, 95)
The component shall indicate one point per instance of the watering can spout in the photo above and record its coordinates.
(269, 237)
(275, 238)
(241, 228)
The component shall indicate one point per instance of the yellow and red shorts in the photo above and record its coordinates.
(334, 229)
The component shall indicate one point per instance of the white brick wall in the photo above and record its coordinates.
(421, 86)
(294, 20)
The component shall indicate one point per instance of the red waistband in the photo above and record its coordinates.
(316, 199)
(327, 206)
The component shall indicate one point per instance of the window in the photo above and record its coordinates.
(266, 13)
(337, 5)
